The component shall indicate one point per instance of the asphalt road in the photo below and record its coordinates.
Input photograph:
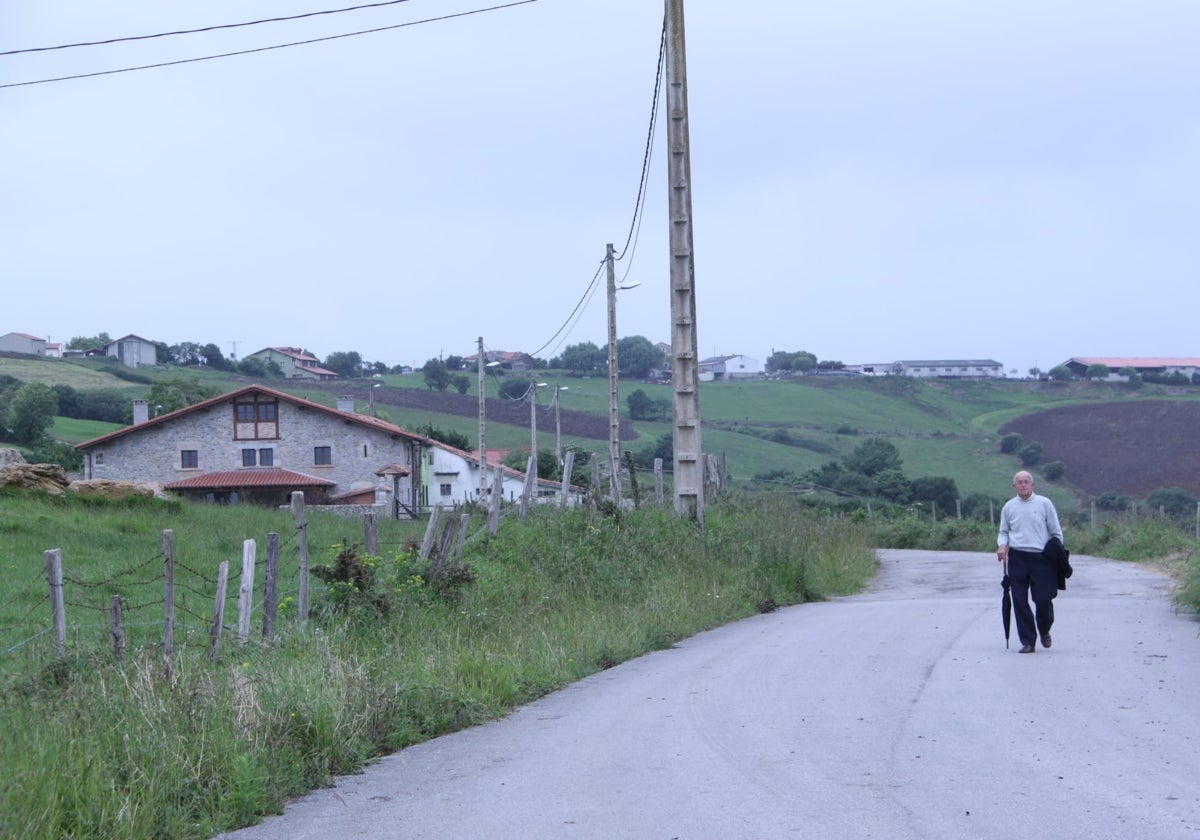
(897, 713)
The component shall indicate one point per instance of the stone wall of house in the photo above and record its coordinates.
(155, 452)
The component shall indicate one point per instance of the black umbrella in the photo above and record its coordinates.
(1006, 602)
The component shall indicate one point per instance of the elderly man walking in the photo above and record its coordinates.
(1027, 522)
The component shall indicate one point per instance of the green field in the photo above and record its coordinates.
(941, 427)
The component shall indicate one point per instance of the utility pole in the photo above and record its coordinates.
(482, 427)
(688, 478)
(533, 386)
(558, 423)
(614, 419)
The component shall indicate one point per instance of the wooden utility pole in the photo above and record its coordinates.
(685, 370)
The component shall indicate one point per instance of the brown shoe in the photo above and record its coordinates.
(1045, 640)
(1026, 649)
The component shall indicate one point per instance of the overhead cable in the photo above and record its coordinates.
(267, 49)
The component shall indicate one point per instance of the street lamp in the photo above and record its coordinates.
(374, 385)
(614, 417)
(558, 423)
(533, 386)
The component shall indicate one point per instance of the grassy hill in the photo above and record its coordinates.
(941, 427)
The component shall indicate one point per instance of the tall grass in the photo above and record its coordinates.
(96, 749)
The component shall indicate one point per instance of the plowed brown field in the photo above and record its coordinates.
(1129, 447)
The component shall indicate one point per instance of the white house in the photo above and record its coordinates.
(294, 362)
(452, 478)
(1164, 365)
(725, 368)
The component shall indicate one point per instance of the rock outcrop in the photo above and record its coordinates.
(48, 478)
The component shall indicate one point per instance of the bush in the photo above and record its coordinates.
(1173, 501)
(1009, 443)
(1112, 500)
(940, 490)
(1030, 454)
(1054, 470)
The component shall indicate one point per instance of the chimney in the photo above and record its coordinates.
(345, 403)
(141, 412)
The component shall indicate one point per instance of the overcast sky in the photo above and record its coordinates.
(872, 180)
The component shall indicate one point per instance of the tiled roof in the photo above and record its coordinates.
(1115, 362)
(362, 419)
(237, 479)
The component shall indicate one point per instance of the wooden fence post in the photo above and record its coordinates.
(370, 534)
(271, 587)
(658, 481)
(597, 493)
(54, 576)
(246, 593)
(431, 531)
(958, 508)
(117, 628)
(168, 551)
(218, 619)
(301, 519)
(991, 512)
(462, 534)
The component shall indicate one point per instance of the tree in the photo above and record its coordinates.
(1097, 371)
(450, 437)
(172, 394)
(1010, 443)
(106, 405)
(1060, 373)
(1035, 372)
(185, 353)
(1054, 470)
(893, 485)
(798, 362)
(437, 378)
(663, 448)
(644, 407)
(637, 356)
(1131, 376)
(461, 382)
(940, 490)
(83, 342)
(31, 412)
(455, 363)
(873, 456)
(346, 363)
(584, 358)
(214, 358)
(68, 400)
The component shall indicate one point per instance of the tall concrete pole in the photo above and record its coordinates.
(482, 427)
(614, 417)
(688, 478)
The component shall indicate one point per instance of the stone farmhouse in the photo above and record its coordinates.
(260, 445)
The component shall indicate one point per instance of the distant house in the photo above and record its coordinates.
(29, 345)
(954, 368)
(54, 350)
(506, 359)
(452, 478)
(1164, 365)
(725, 368)
(133, 351)
(294, 362)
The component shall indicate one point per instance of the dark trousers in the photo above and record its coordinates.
(1032, 574)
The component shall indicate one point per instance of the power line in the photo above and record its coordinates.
(267, 49)
(202, 29)
(587, 294)
(641, 197)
